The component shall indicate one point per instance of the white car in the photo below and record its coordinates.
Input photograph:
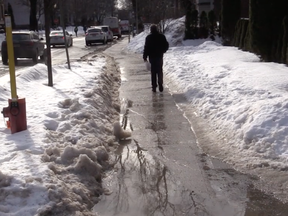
(95, 35)
(57, 38)
(108, 31)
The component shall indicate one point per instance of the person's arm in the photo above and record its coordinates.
(145, 52)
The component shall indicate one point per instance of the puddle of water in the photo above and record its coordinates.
(143, 186)
(263, 205)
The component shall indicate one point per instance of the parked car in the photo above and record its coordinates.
(95, 35)
(57, 38)
(27, 44)
(108, 31)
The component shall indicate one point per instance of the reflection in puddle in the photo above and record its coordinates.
(158, 122)
(144, 186)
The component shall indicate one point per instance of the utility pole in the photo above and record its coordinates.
(136, 16)
(64, 32)
(47, 9)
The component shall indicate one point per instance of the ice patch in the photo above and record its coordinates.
(119, 133)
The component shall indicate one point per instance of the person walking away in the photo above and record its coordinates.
(76, 30)
(84, 29)
(155, 46)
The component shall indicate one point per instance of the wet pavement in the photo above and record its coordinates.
(161, 170)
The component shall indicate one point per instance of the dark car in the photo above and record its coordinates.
(26, 45)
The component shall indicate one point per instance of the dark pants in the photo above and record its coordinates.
(156, 72)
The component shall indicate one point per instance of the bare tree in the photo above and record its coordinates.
(151, 11)
(125, 4)
(40, 7)
(33, 15)
(48, 7)
(88, 12)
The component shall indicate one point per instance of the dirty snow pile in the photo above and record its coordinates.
(55, 166)
(241, 101)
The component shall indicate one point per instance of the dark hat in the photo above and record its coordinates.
(153, 28)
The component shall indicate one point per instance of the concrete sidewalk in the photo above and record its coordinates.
(169, 163)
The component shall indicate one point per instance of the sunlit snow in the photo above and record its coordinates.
(59, 159)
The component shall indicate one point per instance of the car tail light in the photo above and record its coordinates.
(63, 38)
(86, 34)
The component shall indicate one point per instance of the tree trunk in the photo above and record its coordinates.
(265, 27)
(230, 14)
(33, 15)
(47, 10)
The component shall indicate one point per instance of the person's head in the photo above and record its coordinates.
(153, 29)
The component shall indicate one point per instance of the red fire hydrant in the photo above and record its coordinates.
(16, 112)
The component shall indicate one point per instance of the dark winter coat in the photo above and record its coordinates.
(155, 45)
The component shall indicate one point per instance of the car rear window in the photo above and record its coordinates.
(56, 33)
(21, 37)
(105, 29)
(94, 30)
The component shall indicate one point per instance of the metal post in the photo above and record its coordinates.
(64, 33)
(136, 16)
(10, 50)
(16, 111)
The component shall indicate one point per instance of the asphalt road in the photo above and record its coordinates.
(78, 50)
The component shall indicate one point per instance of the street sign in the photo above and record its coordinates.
(8, 21)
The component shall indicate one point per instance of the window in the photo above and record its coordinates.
(94, 30)
(56, 33)
(21, 37)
